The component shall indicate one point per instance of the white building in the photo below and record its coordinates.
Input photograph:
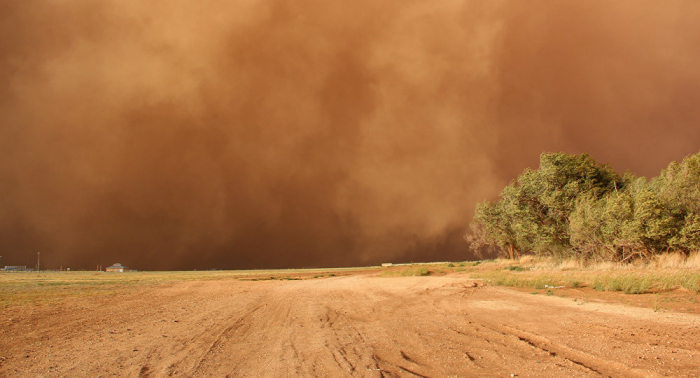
(117, 268)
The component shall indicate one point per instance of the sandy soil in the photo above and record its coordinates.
(355, 325)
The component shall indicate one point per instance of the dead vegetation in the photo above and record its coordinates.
(662, 273)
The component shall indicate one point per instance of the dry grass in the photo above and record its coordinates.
(660, 274)
(677, 260)
(693, 261)
(663, 261)
(412, 271)
(669, 260)
(29, 288)
(664, 273)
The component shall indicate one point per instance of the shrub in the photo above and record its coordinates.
(408, 272)
(416, 271)
(692, 282)
(576, 284)
(627, 283)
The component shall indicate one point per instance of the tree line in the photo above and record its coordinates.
(574, 207)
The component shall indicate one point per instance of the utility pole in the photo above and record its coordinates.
(38, 261)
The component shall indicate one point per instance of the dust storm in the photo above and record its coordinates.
(271, 134)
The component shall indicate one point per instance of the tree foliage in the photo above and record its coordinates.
(573, 206)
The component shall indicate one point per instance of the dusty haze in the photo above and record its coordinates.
(253, 133)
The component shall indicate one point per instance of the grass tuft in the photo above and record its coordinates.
(691, 282)
(627, 283)
(408, 272)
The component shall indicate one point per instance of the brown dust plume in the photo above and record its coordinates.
(267, 133)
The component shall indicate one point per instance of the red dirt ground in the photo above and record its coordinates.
(354, 325)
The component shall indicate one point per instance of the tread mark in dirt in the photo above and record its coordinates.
(144, 372)
(237, 324)
(349, 366)
(548, 350)
(471, 358)
(412, 372)
(554, 354)
(377, 360)
(407, 358)
(578, 357)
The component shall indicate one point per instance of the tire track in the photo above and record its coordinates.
(351, 326)
(588, 361)
(219, 338)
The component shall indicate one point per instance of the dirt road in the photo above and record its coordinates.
(356, 325)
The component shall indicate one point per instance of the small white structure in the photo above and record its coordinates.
(16, 268)
(117, 268)
(387, 264)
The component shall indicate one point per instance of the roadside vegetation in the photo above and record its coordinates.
(407, 272)
(660, 274)
(573, 207)
(665, 273)
(576, 223)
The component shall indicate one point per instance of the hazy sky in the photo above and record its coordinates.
(174, 134)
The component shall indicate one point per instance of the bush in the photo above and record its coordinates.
(576, 284)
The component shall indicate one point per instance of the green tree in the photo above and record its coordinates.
(674, 220)
(572, 206)
(532, 213)
(604, 229)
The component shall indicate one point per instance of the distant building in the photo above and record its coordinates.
(16, 268)
(387, 264)
(117, 268)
